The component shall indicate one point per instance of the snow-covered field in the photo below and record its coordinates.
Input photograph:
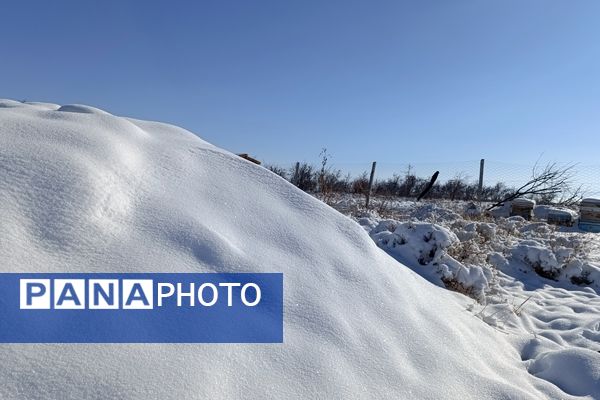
(538, 284)
(83, 190)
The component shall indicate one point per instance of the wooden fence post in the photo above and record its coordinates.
(370, 184)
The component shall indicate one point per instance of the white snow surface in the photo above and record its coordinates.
(537, 283)
(82, 190)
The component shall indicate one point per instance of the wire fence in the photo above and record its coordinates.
(512, 175)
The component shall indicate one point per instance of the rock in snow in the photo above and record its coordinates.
(82, 190)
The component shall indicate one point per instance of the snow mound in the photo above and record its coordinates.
(42, 105)
(86, 191)
(575, 371)
(78, 108)
(7, 103)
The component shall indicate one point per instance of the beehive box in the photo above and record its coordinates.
(589, 210)
(522, 208)
(560, 217)
(589, 215)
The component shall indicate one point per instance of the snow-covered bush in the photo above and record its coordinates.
(422, 245)
(540, 258)
(425, 242)
(465, 253)
(582, 273)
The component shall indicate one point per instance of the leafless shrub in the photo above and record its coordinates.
(549, 182)
(457, 286)
(360, 184)
(303, 176)
(278, 171)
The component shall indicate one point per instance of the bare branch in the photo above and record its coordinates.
(548, 181)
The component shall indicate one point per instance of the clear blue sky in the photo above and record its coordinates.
(393, 81)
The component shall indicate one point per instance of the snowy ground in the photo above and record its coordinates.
(82, 190)
(536, 283)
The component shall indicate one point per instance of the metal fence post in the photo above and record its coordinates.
(480, 189)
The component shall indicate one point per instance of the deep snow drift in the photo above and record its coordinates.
(83, 190)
